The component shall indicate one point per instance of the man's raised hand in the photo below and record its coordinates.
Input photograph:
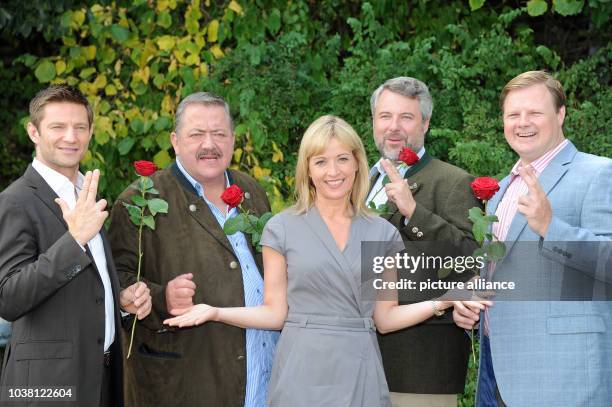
(87, 217)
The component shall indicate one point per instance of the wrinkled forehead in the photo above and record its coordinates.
(209, 116)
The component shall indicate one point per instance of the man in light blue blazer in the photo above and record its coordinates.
(548, 353)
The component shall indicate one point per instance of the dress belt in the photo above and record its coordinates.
(333, 323)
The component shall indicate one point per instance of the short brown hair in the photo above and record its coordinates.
(57, 93)
(530, 78)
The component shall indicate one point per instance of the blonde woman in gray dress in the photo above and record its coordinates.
(327, 354)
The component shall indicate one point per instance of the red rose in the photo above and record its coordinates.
(484, 187)
(232, 196)
(408, 156)
(145, 168)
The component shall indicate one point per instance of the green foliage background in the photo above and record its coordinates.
(281, 64)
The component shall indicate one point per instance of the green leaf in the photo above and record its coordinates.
(86, 73)
(152, 191)
(135, 219)
(252, 224)
(568, 7)
(536, 8)
(145, 183)
(134, 212)
(235, 224)
(45, 71)
(163, 123)
(476, 4)
(125, 145)
(157, 205)
(444, 272)
(496, 251)
(479, 229)
(139, 200)
(149, 221)
(164, 19)
(274, 21)
(480, 252)
(475, 214)
(264, 219)
(162, 159)
(255, 238)
(372, 205)
(119, 33)
(137, 125)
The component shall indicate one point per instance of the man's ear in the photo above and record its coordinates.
(33, 133)
(426, 126)
(174, 141)
(561, 116)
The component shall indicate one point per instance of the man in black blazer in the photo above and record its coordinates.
(57, 279)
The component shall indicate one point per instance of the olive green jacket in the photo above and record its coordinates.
(200, 366)
(432, 357)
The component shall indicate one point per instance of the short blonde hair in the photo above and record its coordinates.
(531, 78)
(315, 140)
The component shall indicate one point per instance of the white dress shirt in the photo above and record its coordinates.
(67, 191)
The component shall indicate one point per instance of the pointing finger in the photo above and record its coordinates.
(391, 171)
(531, 180)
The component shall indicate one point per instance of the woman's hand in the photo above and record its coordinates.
(196, 315)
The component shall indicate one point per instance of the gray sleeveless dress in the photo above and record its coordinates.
(327, 354)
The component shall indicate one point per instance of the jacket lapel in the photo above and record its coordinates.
(551, 175)
(198, 209)
(43, 191)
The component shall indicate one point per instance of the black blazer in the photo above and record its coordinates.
(52, 292)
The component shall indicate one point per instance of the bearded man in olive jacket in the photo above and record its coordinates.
(188, 259)
(425, 365)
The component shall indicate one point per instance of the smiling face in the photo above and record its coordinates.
(204, 142)
(332, 171)
(398, 123)
(532, 125)
(62, 136)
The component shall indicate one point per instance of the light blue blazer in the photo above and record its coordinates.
(559, 353)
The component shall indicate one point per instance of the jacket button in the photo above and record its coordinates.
(240, 357)
(420, 234)
(100, 341)
(415, 229)
(233, 265)
(193, 208)
(99, 300)
(247, 195)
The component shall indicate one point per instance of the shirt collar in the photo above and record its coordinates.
(58, 182)
(196, 185)
(381, 170)
(542, 162)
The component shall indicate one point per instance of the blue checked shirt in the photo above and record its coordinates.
(260, 344)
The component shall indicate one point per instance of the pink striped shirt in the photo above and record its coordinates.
(506, 210)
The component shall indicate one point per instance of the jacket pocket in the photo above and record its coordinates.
(43, 350)
(575, 324)
(147, 351)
